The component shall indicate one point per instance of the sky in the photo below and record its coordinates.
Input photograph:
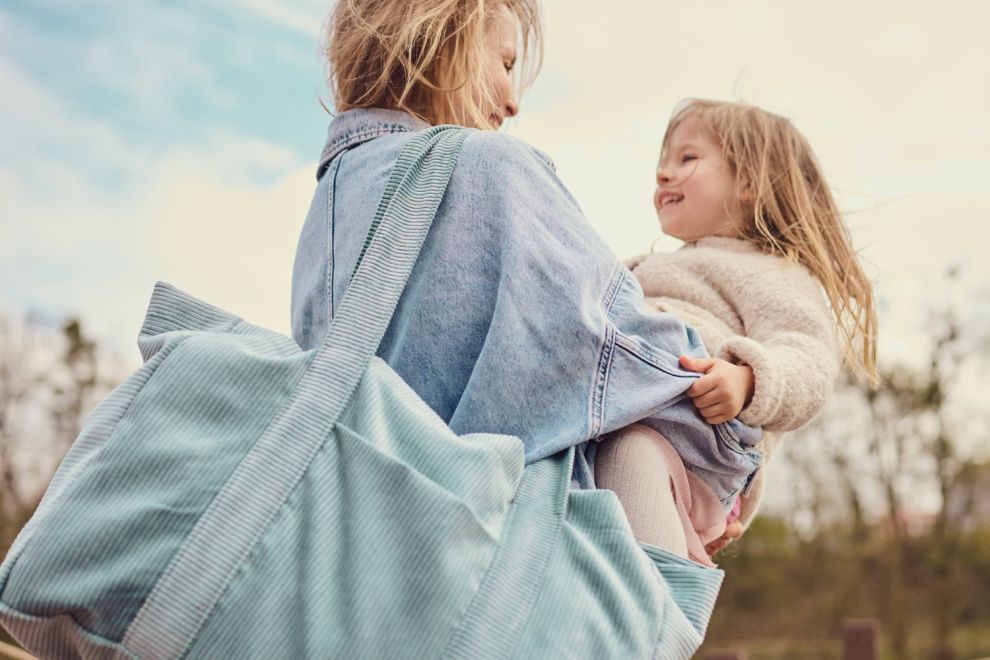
(144, 141)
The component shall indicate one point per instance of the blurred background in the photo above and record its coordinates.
(177, 141)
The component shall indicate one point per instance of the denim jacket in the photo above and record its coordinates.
(517, 318)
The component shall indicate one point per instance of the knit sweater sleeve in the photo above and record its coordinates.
(789, 344)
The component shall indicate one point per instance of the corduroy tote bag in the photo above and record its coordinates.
(237, 497)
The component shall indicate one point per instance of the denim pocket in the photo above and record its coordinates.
(748, 457)
(738, 436)
(728, 437)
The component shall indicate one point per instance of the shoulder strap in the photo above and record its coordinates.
(404, 216)
(201, 569)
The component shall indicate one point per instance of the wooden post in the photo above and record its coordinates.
(727, 654)
(860, 639)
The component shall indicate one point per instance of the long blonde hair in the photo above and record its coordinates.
(792, 212)
(426, 57)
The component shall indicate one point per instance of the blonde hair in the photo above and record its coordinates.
(426, 57)
(792, 212)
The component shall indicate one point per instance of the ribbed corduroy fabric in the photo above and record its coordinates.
(237, 497)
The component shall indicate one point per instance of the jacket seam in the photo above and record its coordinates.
(612, 290)
(331, 189)
(599, 389)
(630, 346)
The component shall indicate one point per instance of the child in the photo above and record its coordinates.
(768, 277)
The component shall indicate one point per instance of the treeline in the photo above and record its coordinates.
(786, 596)
(50, 379)
(884, 511)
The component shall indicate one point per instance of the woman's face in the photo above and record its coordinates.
(501, 58)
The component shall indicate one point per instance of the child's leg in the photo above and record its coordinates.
(632, 464)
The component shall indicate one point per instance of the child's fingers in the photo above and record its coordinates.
(712, 397)
(701, 365)
(716, 414)
(732, 531)
(702, 386)
(716, 546)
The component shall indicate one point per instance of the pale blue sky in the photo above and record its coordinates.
(148, 140)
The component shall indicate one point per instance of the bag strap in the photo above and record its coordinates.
(201, 570)
(403, 219)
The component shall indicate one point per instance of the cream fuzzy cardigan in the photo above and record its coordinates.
(753, 308)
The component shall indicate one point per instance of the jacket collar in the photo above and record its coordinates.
(351, 128)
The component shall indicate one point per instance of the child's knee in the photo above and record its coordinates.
(632, 449)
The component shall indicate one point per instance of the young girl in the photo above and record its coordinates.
(768, 278)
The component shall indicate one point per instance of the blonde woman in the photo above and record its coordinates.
(769, 278)
(517, 318)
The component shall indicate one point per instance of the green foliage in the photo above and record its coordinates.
(788, 598)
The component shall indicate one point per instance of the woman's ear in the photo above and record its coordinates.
(744, 189)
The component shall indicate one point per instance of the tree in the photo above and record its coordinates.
(896, 450)
(49, 381)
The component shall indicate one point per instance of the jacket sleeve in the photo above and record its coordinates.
(790, 345)
(569, 330)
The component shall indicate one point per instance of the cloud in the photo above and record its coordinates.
(133, 65)
(305, 20)
(219, 217)
(46, 147)
(230, 243)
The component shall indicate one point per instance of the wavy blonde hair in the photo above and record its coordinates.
(426, 57)
(792, 212)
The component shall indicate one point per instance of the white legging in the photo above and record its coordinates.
(636, 469)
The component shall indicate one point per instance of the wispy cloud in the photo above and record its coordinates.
(303, 17)
(219, 216)
(134, 67)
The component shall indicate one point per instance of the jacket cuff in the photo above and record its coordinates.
(768, 390)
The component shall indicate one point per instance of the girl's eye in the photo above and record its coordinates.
(688, 157)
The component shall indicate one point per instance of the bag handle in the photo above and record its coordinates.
(403, 219)
(201, 569)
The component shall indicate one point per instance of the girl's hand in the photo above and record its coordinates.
(723, 391)
(732, 531)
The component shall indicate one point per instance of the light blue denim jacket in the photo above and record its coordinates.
(517, 318)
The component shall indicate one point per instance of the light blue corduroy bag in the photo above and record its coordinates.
(239, 498)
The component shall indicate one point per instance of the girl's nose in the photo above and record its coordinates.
(663, 176)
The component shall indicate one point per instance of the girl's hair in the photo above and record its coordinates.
(792, 211)
(426, 57)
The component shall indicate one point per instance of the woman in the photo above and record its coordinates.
(517, 318)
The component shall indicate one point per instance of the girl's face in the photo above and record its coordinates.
(501, 45)
(696, 193)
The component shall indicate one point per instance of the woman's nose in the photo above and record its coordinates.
(511, 107)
